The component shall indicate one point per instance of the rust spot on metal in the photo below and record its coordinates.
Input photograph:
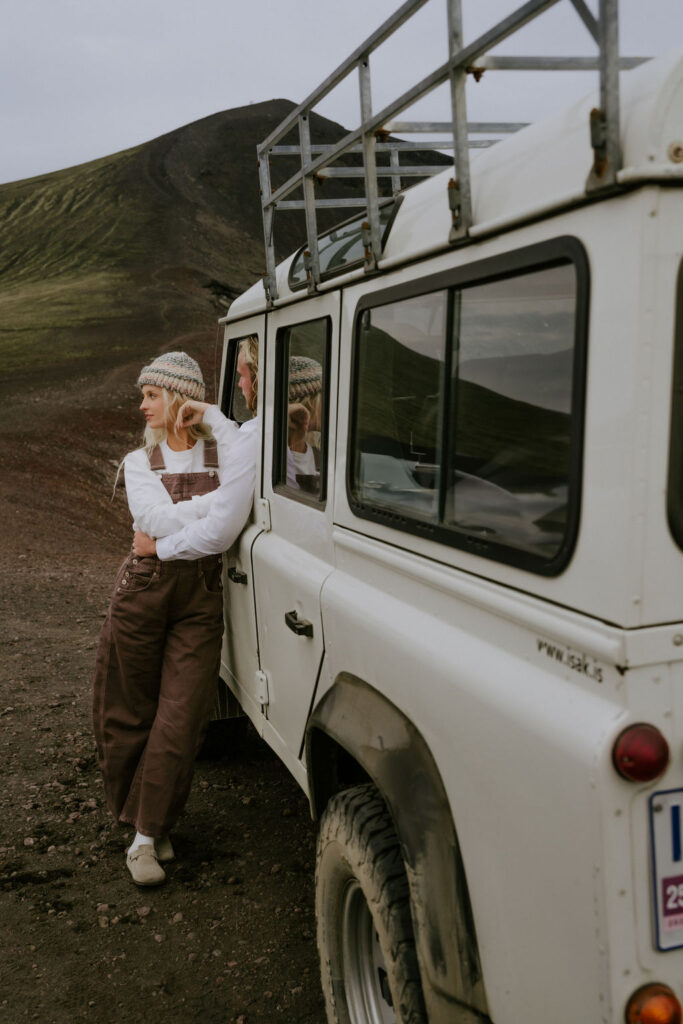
(598, 141)
(365, 236)
(477, 73)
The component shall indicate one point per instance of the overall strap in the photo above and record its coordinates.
(211, 454)
(156, 459)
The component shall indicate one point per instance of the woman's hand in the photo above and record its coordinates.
(143, 544)
(189, 413)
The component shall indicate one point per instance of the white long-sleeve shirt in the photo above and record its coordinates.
(150, 503)
(230, 508)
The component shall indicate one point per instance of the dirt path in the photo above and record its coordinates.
(231, 936)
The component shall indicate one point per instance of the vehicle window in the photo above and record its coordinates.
(463, 414)
(234, 403)
(512, 369)
(675, 488)
(398, 413)
(341, 247)
(301, 444)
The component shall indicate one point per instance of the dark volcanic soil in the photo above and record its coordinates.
(231, 936)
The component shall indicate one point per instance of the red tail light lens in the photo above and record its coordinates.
(640, 753)
(653, 1004)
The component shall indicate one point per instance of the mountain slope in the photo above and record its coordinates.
(138, 252)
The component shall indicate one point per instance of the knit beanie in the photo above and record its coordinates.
(305, 377)
(175, 371)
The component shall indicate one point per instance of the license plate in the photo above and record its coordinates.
(666, 837)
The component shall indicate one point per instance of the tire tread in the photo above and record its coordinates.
(358, 820)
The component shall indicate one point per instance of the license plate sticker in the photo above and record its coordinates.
(666, 838)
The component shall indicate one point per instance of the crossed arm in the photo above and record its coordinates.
(230, 508)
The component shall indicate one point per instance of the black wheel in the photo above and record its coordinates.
(365, 936)
(225, 737)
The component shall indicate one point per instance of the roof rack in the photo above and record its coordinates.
(374, 133)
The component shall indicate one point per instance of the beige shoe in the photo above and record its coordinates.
(144, 866)
(164, 850)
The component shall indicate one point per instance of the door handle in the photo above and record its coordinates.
(302, 627)
(236, 575)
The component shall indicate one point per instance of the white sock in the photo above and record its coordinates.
(139, 841)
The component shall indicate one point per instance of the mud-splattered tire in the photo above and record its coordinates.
(365, 937)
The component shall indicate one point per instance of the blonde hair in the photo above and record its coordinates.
(172, 403)
(249, 352)
(152, 437)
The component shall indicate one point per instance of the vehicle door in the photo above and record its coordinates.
(239, 658)
(293, 558)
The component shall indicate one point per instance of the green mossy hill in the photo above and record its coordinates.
(121, 258)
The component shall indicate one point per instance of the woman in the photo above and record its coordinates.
(159, 651)
(233, 500)
(304, 416)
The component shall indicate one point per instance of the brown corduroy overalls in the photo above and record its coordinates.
(156, 670)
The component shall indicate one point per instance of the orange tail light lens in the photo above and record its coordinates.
(653, 1004)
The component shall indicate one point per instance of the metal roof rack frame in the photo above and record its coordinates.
(372, 135)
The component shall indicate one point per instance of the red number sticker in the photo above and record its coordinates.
(672, 902)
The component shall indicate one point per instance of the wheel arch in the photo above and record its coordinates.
(354, 734)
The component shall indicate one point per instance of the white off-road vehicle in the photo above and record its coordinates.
(457, 615)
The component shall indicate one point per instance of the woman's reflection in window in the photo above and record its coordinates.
(304, 422)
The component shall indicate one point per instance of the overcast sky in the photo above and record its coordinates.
(81, 79)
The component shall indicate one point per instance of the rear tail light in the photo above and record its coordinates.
(653, 1004)
(640, 753)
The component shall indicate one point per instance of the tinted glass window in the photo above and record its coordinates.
(463, 414)
(234, 404)
(398, 412)
(240, 412)
(513, 349)
(302, 409)
(339, 248)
